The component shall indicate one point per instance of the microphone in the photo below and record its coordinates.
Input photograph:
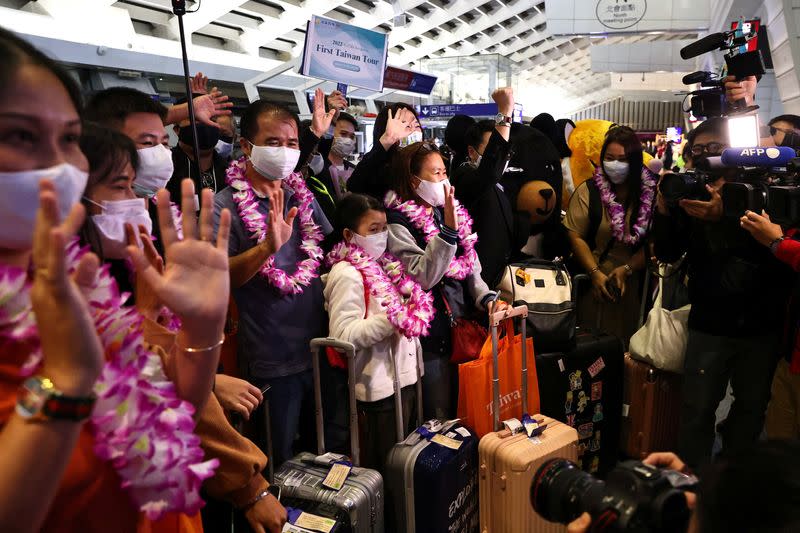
(697, 77)
(708, 43)
(709, 163)
(773, 156)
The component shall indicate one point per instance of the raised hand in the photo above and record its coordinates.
(398, 126)
(336, 100)
(73, 354)
(199, 84)
(450, 214)
(504, 98)
(280, 228)
(320, 119)
(147, 301)
(195, 283)
(211, 105)
(744, 89)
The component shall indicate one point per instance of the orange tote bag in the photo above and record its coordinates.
(475, 383)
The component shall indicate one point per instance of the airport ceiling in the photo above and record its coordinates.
(273, 31)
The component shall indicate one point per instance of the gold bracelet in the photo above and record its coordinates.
(206, 349)
(595, 269)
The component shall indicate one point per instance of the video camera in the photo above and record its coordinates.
(636, 497)
(709, 101)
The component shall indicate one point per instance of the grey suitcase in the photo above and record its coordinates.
(432, 488)
(359, 503)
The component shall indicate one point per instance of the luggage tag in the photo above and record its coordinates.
(438, 438)
(533, 428)
(522, 277)
(513, 425)
(312, 522)
(337, 475)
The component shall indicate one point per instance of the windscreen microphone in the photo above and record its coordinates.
(714, 41)
(773, 156)
(697, 77)
(708, 163)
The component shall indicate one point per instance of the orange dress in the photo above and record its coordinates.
(89, 498)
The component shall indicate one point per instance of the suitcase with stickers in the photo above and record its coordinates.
(431, 476)
(583, 388)
(652, 408)
(309, 481)
(509, 458)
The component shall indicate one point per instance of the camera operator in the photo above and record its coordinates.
(757, 490)
(737, 290)
(785, 130)
(783, 415)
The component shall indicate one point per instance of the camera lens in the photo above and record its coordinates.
(561, 491)
(675, 187)
(670, 512)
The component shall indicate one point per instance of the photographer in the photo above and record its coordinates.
(783, 417)
(737, 291)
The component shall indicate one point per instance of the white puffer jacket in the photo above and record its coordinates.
(372, 334)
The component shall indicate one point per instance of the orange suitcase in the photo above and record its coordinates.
(508, 462)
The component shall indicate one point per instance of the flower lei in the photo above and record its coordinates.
(616, 213)
(139, 423)
(256, 224)
(177, 218)
(460, 267)
(408, 307)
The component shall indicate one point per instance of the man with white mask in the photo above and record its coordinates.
(277, 289)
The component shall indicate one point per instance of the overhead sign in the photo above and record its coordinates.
(408, 80)
(473, 110)
(344, 53)
(585, 17)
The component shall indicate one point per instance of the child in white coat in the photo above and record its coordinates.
(374, 305)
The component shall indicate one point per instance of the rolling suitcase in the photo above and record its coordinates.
(357, 506)
(651, 409)
(431, 476)
(510, 458)
(583, 388)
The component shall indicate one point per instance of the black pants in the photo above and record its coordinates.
(376, 422)
(711, 361)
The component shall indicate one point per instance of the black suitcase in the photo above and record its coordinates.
(583, 388)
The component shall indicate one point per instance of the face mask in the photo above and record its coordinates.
(343, 146)
(19, 200)
(415, 137)
(431, 192)
(316, 164)
(207, 136)
(374, 245)
(274, 162)
(154, 170)
(111, 224)
(224, 148)
(617, 171)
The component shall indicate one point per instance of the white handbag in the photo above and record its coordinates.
(661, 342)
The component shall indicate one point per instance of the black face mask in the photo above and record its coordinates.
(791, 140)
(207, 136)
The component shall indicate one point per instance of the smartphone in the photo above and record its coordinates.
(613, 290)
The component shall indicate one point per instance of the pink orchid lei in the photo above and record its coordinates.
(460, 267)
(408, 307)
(177, 218)
(139, 423)
(616, 213)
(256, 224)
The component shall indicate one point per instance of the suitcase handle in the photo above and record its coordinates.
(350, 353)
(495, 319)
(398, 400)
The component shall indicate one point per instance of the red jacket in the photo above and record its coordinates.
(788, 251)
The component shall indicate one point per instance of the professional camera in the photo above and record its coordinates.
(689, 185)
(636, 497)
(710, 100)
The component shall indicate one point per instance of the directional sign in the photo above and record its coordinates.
(473, 110)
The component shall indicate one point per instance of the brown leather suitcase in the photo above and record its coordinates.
(509, 461)
(651, 409)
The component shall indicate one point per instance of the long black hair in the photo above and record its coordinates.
(352, 208)
(383, 117)
(626, 137)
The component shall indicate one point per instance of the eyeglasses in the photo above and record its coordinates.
(708, 148)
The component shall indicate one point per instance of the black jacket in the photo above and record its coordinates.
(737, 288)
(372, 175)
(479, 190)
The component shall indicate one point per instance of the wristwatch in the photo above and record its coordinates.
(773, 246)
(39, 400)
(502, 120)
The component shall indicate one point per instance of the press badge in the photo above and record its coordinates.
(337, 475)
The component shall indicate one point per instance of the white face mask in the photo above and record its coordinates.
(415, 137)
(154, 170)
(111, 224)
(224, 149)
(617, 171)
(431, 192)
(343, 146)
(19, 200)
(274, 162)
(374, 245)
(316, 164)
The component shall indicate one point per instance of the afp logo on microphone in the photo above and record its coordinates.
(772, 153)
